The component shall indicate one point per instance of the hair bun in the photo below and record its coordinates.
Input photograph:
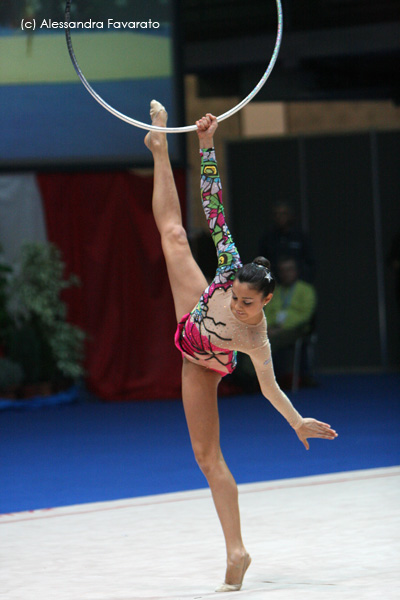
(262, 261)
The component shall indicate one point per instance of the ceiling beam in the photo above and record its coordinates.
(383, 38)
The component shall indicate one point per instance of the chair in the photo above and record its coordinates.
(304, 346)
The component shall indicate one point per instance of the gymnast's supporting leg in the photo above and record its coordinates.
(199, 392)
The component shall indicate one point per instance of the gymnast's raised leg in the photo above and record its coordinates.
(185, 276)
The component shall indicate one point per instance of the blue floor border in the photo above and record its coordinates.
(90, 451)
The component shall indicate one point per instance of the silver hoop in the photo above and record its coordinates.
(131, 121)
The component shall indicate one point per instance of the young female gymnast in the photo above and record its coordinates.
(214, 321)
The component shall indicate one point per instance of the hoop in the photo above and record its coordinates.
(188, 128)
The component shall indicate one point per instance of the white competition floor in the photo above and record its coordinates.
(315, 538)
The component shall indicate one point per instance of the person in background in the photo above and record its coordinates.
(290, 315)
(285, 239)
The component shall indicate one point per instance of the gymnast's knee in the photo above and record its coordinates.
(207, 460)
(174, 235)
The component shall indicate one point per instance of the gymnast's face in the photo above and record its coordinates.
(247, 303)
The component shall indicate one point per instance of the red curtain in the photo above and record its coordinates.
(103, 224)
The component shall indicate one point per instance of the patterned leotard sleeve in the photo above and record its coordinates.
(211, 194)
(204, 337)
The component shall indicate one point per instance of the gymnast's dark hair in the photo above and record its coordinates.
(258, 275)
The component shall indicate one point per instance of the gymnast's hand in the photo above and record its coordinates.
(311, 428)
(206, 127)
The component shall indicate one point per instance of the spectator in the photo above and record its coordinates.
(289, 317)
(284, 239)
(290, 312)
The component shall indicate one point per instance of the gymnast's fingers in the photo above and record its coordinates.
(201, 124)
(328, 434)
(325, 436)
(206, 121)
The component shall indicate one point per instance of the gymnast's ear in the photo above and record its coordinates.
(268, 298)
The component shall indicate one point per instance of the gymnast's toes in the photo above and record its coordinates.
(155, 140)
(158, 113)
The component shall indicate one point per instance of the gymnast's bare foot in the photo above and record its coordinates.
(159, 116)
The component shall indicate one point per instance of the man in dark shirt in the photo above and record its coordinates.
(284, 239)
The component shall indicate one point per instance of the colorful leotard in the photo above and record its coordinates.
(210, 334)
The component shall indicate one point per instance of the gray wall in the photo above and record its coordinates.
(346, 191)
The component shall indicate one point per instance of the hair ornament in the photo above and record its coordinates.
(268, 274)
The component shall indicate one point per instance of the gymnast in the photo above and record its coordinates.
(214, 321)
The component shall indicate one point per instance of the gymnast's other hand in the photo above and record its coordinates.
(311, 428)
(206, 127)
